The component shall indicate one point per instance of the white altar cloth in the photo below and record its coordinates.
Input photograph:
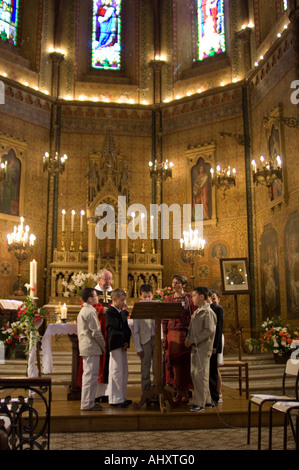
(54, 329)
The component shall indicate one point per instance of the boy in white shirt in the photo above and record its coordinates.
(144, 340)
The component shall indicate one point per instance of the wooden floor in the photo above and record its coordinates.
(66, 416)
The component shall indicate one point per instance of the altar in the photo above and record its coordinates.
(69, 329)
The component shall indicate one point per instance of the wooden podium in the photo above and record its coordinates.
(157, 311)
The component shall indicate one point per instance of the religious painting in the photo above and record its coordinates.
(201, 185)
(274, 152)
(269, 273)
(9, 10)
(211, 28)
(10, 185)
(219, 251)
(291, 247)
(234, 275)
(106, 34)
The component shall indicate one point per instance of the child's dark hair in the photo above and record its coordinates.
(146, 288)
(87, 292)
(202, 290)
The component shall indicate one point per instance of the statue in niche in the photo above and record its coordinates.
(202, 188)
(10, 187)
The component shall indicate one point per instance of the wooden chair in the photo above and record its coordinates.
(240, 365)
(291, 370)
(286, 408)
(26, 417)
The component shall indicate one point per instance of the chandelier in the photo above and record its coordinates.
(20, 243)
(270, 171)
(193, 246)
(53, 163)
(161, 171)
(223, 178)
(3, 170)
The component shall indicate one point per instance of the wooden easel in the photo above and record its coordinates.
(157, 311)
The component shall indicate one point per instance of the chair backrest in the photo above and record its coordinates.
(292, 369)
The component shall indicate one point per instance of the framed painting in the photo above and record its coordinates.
(234, 276)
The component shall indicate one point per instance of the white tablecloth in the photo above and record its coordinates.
(54, 329)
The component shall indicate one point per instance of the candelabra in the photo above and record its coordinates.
(3, 170)
(20, 243)
(223, 178)
(269, 172)
(193, 246)
(161, 170)
(53, 163)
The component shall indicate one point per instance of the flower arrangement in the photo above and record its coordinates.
(12, 335)
(30, 317)
(163, 294)
(275, 336)
(78, 282)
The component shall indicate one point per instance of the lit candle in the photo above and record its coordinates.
(63, 219)
(72, 220)
(33, 278)
(81, 221)
(133, 217)
(64, 312)
(142, 222)
(152, 224)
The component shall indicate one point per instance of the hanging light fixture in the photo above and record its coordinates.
(160, 170)
(193, 246)
(53, 163)
(223, 178)
(270, 171)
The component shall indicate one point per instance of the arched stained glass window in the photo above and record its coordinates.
(211, 31)
(285, 4)
(106, 34)
(9, 12)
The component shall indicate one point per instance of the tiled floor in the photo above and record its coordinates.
(210, 439)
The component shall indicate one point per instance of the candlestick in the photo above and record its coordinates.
(33, 278)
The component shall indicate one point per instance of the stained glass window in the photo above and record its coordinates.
(106, 34)
(211, 31)
(9, 10)
(285, 4)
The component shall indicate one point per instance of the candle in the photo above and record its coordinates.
(152, 224)
(142, 223)
(72, 220)
(63, 219)
(81, 221)
(133, 217)
(33, 278)
(64, 312)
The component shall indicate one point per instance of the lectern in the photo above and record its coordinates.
(157, 311)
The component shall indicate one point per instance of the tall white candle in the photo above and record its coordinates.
(63, 219)
(72, 220)
(33, 278)
(63, 312)
(81, 221)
